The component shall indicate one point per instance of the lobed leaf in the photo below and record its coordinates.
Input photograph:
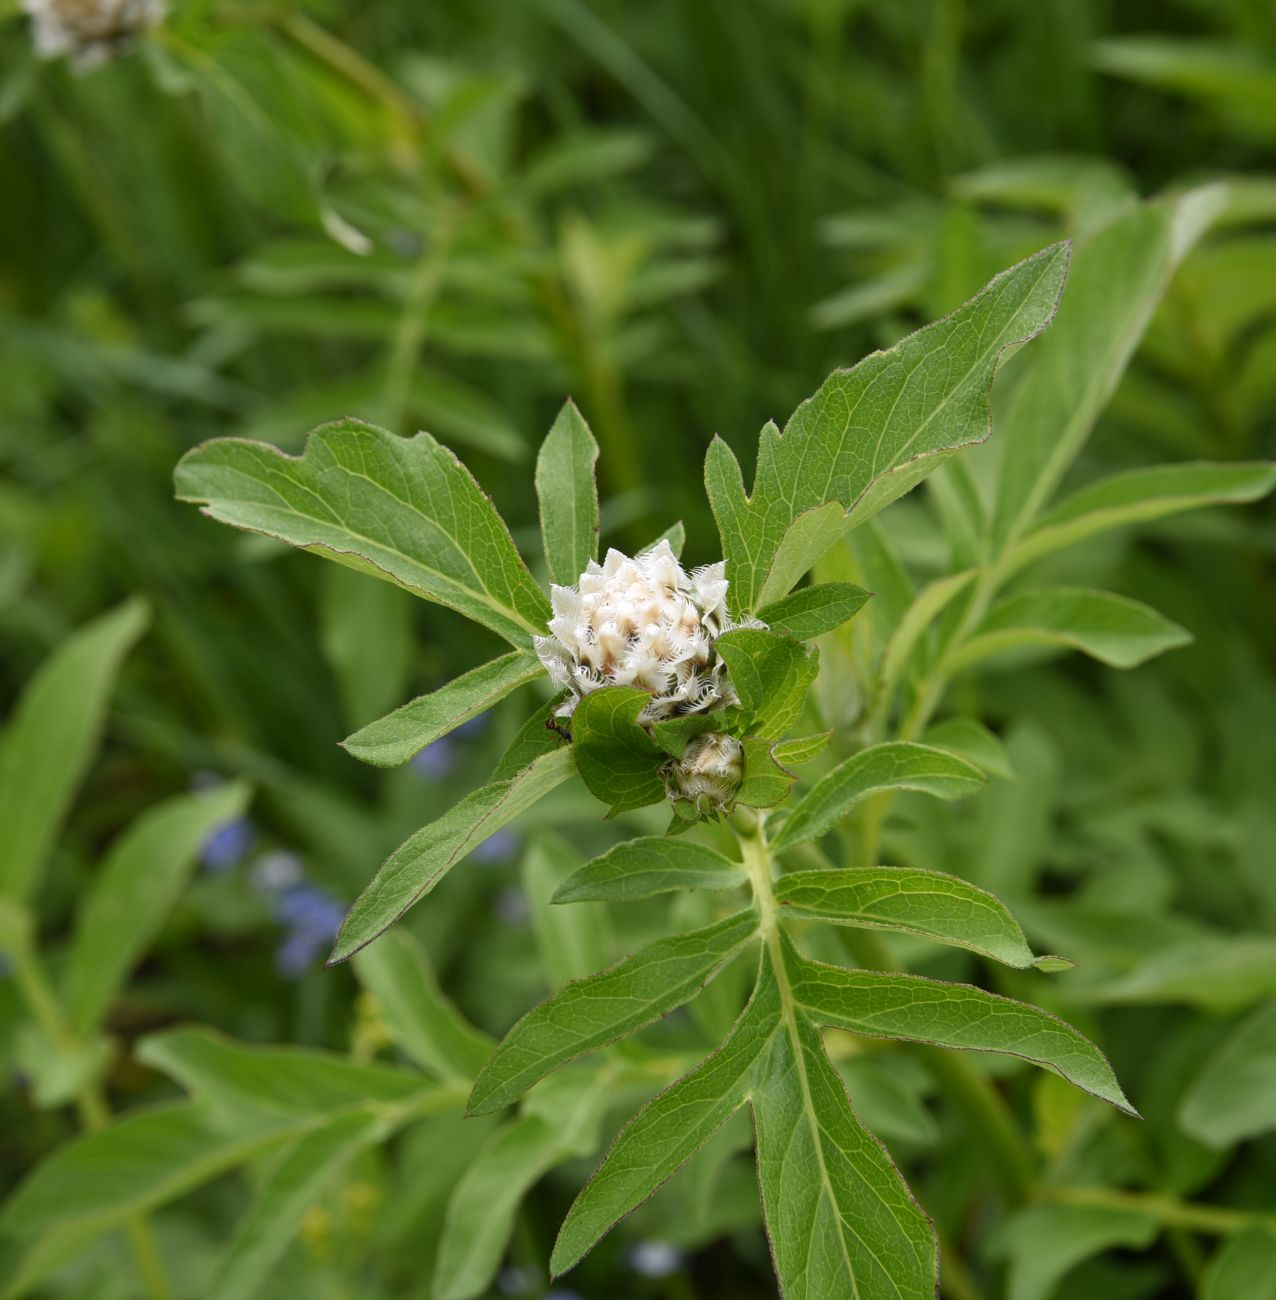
(403, 509)
(593, 1012)
(928, 903)
(51, 737)
(417, 865)
(1113, 629)
(871, 433)
(648, 866)
(403, 734)
(568, 496)
(894, 765)
(882, 1005)
(811, 612)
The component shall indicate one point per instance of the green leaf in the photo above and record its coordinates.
(593, 1012)
(96, 1182)
(560, 1120)
(929, 903)
(1221, 973)
(572, 942)
(841, 1220)
(668, 1131)
(403, 734)
(1113, 629)
(882, 1005)
(765, 782)
(422, 1021)
(365, 632)
(895, 765)
(1044, 1241)
(1244, 1268)
(51, 737)
(645, 867)
(1138, 496)
(533, 740)
(403, 509)
(297, 1177)
(616, 758)
(871, 433)
(813, 611)
(920, 615)
(417, 865)
(568, 496)
(801, 749)
(131, 896)
(273, 1080)
(771, 674)
(1119, 275)
(1233, 1098)
(970, 739)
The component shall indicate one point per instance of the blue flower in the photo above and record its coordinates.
(497, 847)
(436, 760)
(311, 918)
(228, 845)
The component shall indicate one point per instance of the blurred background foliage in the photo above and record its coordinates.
(448, 216)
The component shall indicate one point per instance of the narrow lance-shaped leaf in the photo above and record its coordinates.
(593, 1012)
(895, 765)
(841, 1219)
(568, 496)
(417, 865)
(403, 734)
(929, 903)
(813, 611)
(131, 895)
(970, 739)
(871, 433)
(668, 1131)
(421, 1020)
(1139, 496)
(404, 509)
(298, 1176)
(1113, 629)
(883, 1005)
(50, 738)
(560, 1120)
(648, 866)
(1118, 278)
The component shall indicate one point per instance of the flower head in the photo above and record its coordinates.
(88, 31)
(645, 622)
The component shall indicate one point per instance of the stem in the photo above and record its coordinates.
(1215, 1220)
(90, 1105)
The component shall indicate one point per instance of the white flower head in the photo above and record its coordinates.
(646, 622)
(88, 31)
(708, 774)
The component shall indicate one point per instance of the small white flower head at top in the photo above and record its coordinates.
(641, 621)
(88, 31)
(708, 774)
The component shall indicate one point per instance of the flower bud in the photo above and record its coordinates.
(708, 774)
(642, 622)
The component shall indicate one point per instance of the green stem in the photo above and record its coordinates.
(90, 1104)
(1216, 1221)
